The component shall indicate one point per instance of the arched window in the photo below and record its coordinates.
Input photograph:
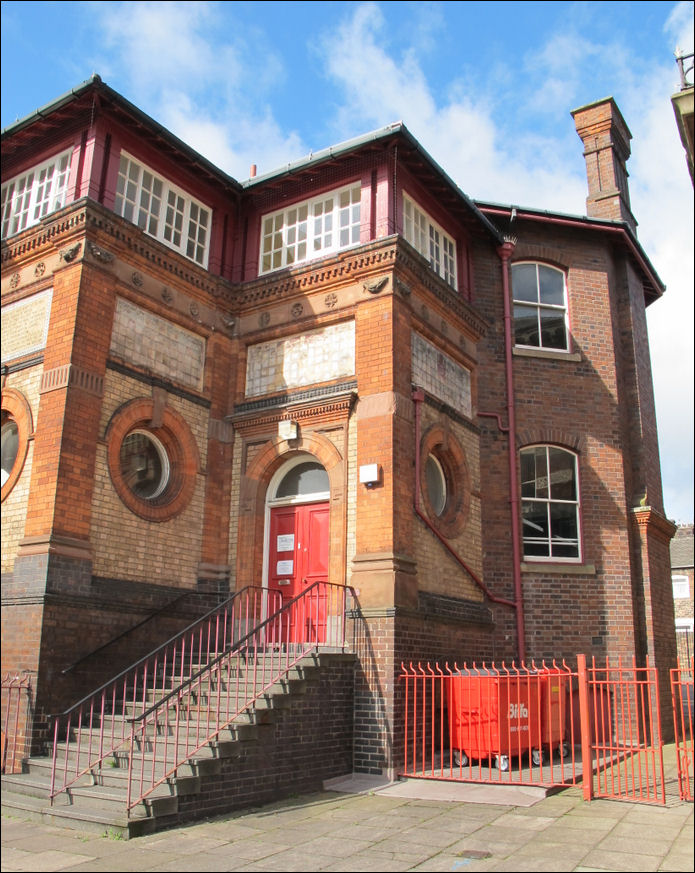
(10, 446)
(549, 503)
(540, 307)
(307, 478)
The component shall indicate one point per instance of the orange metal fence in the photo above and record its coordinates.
(484, 723)
(683, 700)
(16, 691)
(535, 724)
(624, 732)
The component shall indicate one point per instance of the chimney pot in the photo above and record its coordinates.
(252, 171)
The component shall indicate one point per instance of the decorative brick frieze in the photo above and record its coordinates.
(301, 280)
(71, 376)
(220, 430)
(70, 220)
(334, 398)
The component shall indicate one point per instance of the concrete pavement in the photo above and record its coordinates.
(406, 826)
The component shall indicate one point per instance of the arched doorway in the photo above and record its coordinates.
(297, 534)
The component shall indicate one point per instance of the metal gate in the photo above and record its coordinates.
(683, 699)
(537, 725)
(621, 731)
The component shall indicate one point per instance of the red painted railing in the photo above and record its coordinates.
(96, 727)
(625, 732)
(14, 716)
(536, 725)
(487, 723)
(218, 699)
(683, 699)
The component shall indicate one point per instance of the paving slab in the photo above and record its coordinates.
(379, 829)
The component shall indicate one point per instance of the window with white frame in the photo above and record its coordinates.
(310, 229)
(549, 503)
(162, 210)
(540, 306)
(26, 199)
(681, 587)
(430, 240)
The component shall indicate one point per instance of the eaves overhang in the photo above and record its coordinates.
(652, 284)
(395, 135)
(86, 100)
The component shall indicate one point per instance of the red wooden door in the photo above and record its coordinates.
(298, 557)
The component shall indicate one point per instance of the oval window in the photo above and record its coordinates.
(144, 464)
(436, 485)
(10, 447)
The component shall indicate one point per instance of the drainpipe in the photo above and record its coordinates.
(418, 398)
(505, 252)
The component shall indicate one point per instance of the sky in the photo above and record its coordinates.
(487, 88)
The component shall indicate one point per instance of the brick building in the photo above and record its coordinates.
(683, 579)
(449, 401)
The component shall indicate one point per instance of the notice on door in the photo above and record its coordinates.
(285, 543)
(284, 568)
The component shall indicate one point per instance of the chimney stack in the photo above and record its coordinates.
(606, 138)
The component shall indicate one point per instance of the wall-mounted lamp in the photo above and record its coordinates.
(288, 429)
(370, 475)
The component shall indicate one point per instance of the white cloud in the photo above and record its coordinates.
(461, 132)
(196, 78)
(679, 26)
(456, 127)
(215, 91)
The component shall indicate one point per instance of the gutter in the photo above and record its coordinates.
(617, 227)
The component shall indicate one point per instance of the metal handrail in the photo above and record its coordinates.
(146, 677)
(12, 686)
(159, 649)
(130, 630)
(270, 650)
(683, 69)
(236, 646)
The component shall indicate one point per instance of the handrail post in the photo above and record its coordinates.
(585, 728)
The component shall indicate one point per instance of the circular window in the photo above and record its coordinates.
(153, 469)
(144, 464)
(17, 429)
(444, 480)
(10, 447)
(436, 485)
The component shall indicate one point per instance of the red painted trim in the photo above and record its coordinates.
(658, 286)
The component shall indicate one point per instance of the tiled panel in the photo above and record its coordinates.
(300, 360)
(149, 341)
(440, 376)
(25, 325)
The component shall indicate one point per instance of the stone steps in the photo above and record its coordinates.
(98, 801)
